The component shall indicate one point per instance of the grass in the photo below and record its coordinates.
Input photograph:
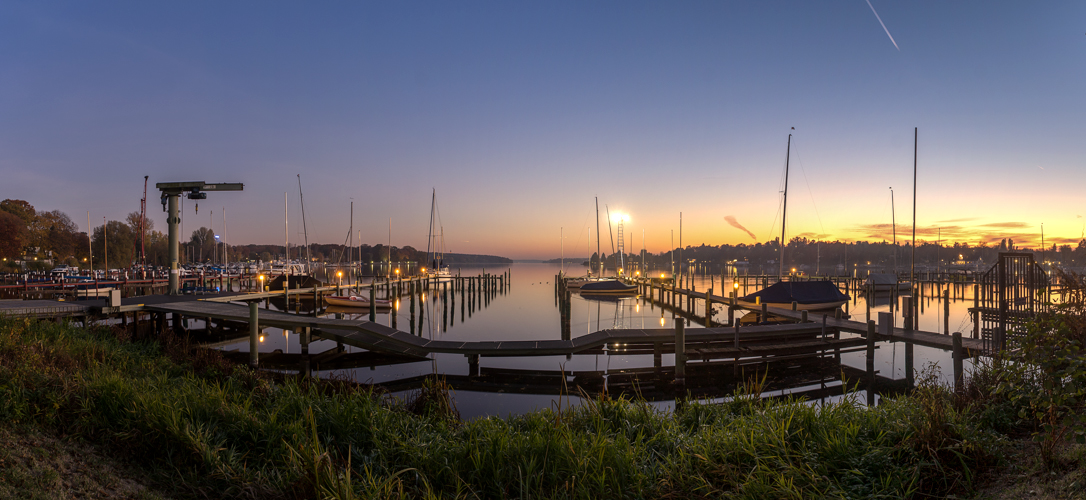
(199, 427)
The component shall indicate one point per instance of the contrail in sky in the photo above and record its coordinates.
(731, 220)
(883, 26)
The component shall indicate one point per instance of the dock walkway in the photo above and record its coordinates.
(972, 346)
(376, 337)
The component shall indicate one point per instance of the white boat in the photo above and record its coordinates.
(435, 246)
(885, 283)
(94, 292)
(355, 302)
(286, 268)
(582, 280)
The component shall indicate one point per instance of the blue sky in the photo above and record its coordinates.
(520, 113)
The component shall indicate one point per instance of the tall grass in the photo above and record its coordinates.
(233, 432)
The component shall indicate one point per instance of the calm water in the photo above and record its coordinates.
(527, 310)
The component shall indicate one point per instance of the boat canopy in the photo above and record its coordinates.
(800, 292)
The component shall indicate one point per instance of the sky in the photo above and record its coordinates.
(520, 114)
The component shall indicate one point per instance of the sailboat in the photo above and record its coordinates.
(887, 282)
(601, 285)
(807, 295)
(435, 246)
(575, 283)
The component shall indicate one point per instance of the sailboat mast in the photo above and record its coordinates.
(912, 258)
(430, 237)
(893, 223)
(598, 256)
(350, 232)
(784, 211)
(286, 229)
(305, 232)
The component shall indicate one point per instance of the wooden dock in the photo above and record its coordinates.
(668, 296)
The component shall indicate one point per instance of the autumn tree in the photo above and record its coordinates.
(203, 241)
(12, 235)
(119, 237)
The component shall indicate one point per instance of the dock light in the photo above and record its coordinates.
(261, 338)
(424, 269)
(735, 285)
(793, 270)
(637, 273)
(397, 271)
(661, 275)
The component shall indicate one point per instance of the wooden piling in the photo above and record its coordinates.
(957, 352)
(254, 334)
(680, 354)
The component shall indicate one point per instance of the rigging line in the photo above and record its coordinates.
(809, 191)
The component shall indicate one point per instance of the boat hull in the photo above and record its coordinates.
(608, 287)
(799, 307)
(355, 302)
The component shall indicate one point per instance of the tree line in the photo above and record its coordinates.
(836, 256)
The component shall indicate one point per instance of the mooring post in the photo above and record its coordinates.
(473, 365)
(946, 310)
(795, 305)
(731, 308)
(735, 362)
(802, 314)
(303, 340)
(254, 334)
(373, 301)
(907, 310)
(870, 362)
(709, 308)
(976, 311)
(958, 376)
(764, 318)
(680, 357)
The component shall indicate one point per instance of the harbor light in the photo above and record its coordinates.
(735, 285)
(661, 275)
(637, 273)
(619, 217)
(397, 271)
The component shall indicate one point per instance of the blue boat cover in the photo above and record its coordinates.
(801, 292)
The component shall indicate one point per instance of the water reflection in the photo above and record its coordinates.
(530, 308)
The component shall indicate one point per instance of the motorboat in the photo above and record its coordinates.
(354, 301)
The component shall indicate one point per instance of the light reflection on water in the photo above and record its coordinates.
(528, 310)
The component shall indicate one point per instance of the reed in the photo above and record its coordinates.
(214, 429)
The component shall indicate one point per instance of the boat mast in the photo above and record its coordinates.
(609, 232)
(598, 256)
(286, 230)
(784, 211)
(305, 232)
(893, 222)
(430, 237)
(350, 234)
(912, 258)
